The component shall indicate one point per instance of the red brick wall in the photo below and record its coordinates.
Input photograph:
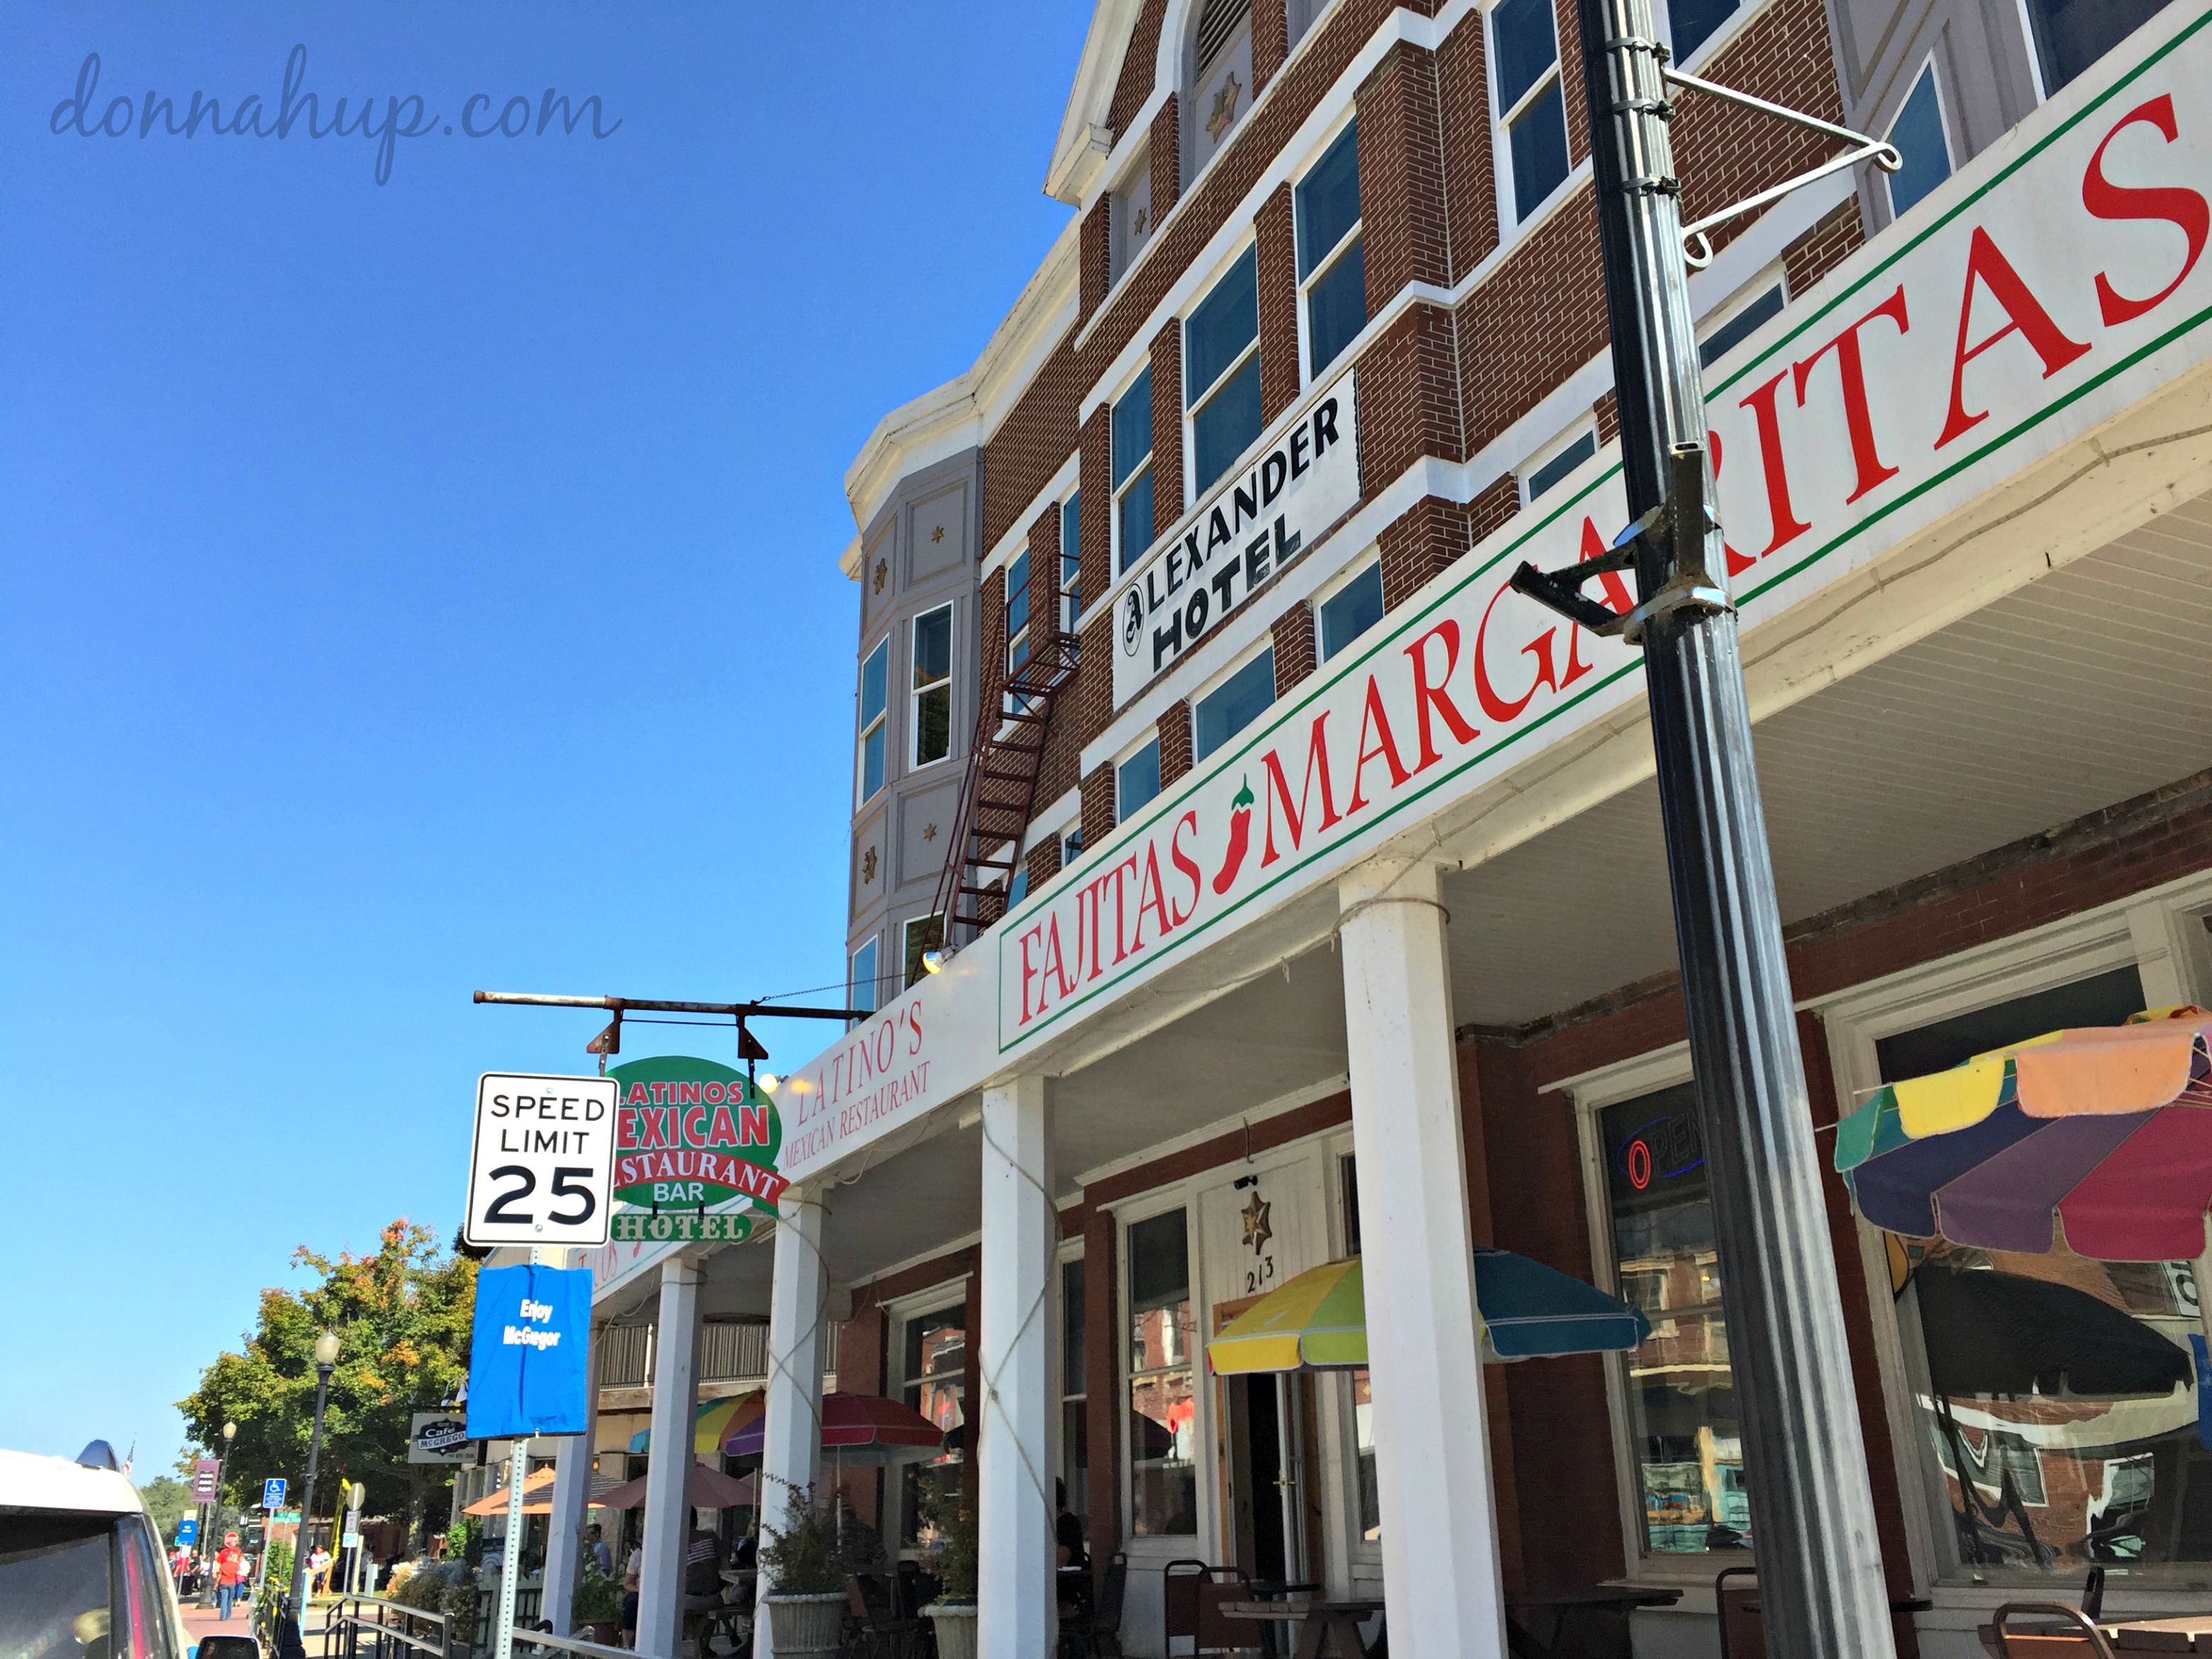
(1037, 436)
(1724, 154)
(1401, 188)
(1103, 1404)
(1824, 247)
(1549, 286)
(989, 703)
(1408, 395)
(1167, 427)
(1497, 502)
(1163, 155)
(1043, 860)
(1463, 110)
(1292, 635)
(1278, 305)
(1430, 535)
(1139, 59)
(1098, 806)
(1271, 41)
(1173, 730)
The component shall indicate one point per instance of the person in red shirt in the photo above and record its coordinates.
(229, 1573)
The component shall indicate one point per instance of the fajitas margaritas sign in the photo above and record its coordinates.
(692, 1135)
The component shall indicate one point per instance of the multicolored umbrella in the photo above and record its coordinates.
(716, 1420)
(1317, 1321)
(2104, 1132)
(865, 1422)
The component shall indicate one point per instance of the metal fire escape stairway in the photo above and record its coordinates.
(999, 792)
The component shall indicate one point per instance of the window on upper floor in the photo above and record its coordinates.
(1234, 704)
(1532, 111)
(1071, 846)
(1917, 132)
(1332, 272)
(1221, 78)
(1741, 324)
(931, 712)
(1071, 562)
(1557, 463)
(1221, 371)
(1351, 610)
(1136, 781)
(1018, 611)
(861, 991)
(1133, 469)
(1691, 23)
(920, 935)
(2072, 34)
(1129, 219)
(875, 694)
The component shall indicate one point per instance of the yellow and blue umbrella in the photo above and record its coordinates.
(1317, 1321)
(716, 1420)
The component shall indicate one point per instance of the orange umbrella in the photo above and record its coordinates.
(496, 1503)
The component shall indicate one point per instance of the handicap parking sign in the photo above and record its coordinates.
(272, 1494)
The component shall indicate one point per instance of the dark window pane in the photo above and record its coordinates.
(1336, 306)
(1562, 464)
(932, 646)
(1071, 542)
(2072, 34)
(1159, 1262)
(875, 681)
(1540, 151)
(1226, 427)
(1137, 781)
(1742, 326)
(1918, 133)
(1226, 321)
(1242, 698)
(1073, 1372)
(871, 763)
(53, 1572)
(1527, 46)
(1136, 519)
(1694, 21)
(863, 981)
(1017, 595)
(1329, 201)
(1351, 610)
(1133, 427)
(933, 724)
(2104, 999)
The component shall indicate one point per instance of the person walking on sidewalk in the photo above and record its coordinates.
(229, 1573)
(318, 1567)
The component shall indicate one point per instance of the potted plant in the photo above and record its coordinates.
(806, 1604)
(597, 1608)
(952, 1558)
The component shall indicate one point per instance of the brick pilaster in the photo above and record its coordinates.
(1175, 744)
(1166, 157)
(1094, 258)
(1271, 41)
(1428, 537)
(1097, 807)
(1292, 635)
(1167, 426)
(1402, 194)
(1278, 305)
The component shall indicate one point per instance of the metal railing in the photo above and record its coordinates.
(539, 1644)
(380, 1628)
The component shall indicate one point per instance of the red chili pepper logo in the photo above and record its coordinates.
(1240, 837)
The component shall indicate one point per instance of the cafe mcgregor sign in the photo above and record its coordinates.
(2057, 280)
(1255, 524)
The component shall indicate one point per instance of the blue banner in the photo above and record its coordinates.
(2203, 1389)
(528, 1370)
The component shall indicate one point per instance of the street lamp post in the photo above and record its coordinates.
(211, 1537)
(327, 1356)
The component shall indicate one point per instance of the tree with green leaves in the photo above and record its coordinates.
(402, 1316)
(168, 1500)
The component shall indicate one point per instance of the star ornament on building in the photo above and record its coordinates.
(882, 571)
(868, 866)
(929, 832)
(1257, 1230)
(1224, 109)
(938, 534)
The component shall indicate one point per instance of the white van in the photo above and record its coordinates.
(82, 1575)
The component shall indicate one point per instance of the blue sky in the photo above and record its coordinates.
(426, 586)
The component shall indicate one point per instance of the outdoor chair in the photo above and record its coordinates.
(1216, 1632)
(1179, 1583)
(881, 1633)
(1097, 1632)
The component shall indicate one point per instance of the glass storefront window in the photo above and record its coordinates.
(1163, 1443)
(2055, 1394)
(1681, 1391)
(936, 1386)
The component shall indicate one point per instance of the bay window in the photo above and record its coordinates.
(875, 688)
(931, 712)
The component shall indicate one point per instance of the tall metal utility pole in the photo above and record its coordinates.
(1820, 1584)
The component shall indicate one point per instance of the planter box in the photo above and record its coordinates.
(806, 1625)
(955, 1629)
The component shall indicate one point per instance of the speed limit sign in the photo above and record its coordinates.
(543, 1169)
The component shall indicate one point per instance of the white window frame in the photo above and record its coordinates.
(1120, 814)
(882, 720)
(1195, 117)
(1067, 1390)
(901, 1313)
(1165, 1545)
(1328, 262)
(1353, 572)
(1746, 296)
(1512, 222)
(916, 693)
(1028, 617)
(1717, 41)
(1930, 69)
(1068, 584)
(1119, 560)
(1192, 404)
(1263, 646)
(873, 942)
(1525, 473)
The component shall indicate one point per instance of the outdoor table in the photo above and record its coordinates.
(1330, 1628)
(2052, 1637)
(1576, 1605)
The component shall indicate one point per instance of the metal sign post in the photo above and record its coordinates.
(511, 1557)
(1813, 1526)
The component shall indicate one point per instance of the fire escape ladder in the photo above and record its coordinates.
(998, 793)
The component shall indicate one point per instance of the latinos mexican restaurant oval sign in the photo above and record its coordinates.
(692, 1134)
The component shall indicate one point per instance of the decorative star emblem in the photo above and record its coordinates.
(883, 573)
(1224, 109)
(1257, 1231)
(929, 832)
(1143, 221)
(868, 866)
(938, 534)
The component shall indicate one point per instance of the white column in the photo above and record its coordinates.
(1440, 1565)
(791, 1433)
(572, 1487)
(675, 1410)
(1016, 1606)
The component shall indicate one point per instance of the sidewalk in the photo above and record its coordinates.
(205, 1621)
